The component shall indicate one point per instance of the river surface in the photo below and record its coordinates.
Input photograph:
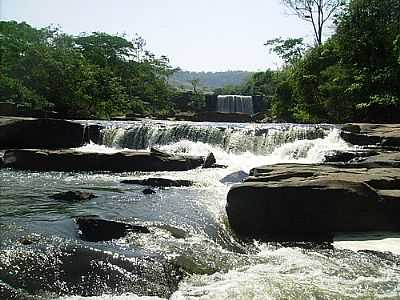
(188, 225)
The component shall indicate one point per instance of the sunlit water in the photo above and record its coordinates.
(188, 225)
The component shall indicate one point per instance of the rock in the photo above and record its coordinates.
(235, 177)
(346, 156)
(384, 135)
(291, 202)
(156, 152)
(92, 133)
(212, 116)
(84, 271)
(209, 161)
(73, 196)
(72, 160)
(148, 191)
(17, 133)
(93, 229)
(159, 182)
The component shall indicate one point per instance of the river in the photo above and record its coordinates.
(188, 225)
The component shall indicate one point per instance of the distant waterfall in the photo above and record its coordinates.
(235, 103)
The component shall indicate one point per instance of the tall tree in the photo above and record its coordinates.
(317, 12)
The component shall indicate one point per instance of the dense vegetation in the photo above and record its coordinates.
(352, 76)
(90, 75)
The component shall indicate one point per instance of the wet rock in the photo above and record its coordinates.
(156, 152)
(292, 202)
(17, 133)
(384, 135)
(81, 271)
(209, 161)
(73, 196)
(148, 191)
(94, 229)
(159, 182)
(346, 156)
(9, 293)
(235, 177)
(124, 161)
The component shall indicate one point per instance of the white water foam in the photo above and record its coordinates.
(112, 297)
(381, 242)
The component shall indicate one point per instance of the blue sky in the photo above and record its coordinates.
(202, 35)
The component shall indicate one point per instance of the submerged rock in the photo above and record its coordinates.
(18, 133)
(148, 191)
(73, 196)
(81, 271)
(159, 182)
(93, 229)
(291, 202)
(124, 161)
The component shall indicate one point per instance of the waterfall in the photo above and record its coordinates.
(260, 139)
(235, 103)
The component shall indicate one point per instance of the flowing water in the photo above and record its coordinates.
(234, 104)
(39, 241)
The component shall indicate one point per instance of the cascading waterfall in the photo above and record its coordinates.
(257, 139)
(235, 104)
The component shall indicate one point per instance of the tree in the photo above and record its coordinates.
(290, 50)
(317, 12)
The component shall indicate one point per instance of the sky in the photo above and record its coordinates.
(196, 35)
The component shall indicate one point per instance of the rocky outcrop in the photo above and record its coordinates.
(73, 196)
(290, 202)
(381, 135)
(125, 161)
(159, 182)
(19, 133)
(94, 229)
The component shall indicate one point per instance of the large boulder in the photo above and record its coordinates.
(291, 202)
(71, 160)
(18, 133)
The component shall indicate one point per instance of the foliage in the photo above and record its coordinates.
(95, 74)
(353, 76)
(290, 50)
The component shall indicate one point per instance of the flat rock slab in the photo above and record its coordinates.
(94, 229)
(71, 160)
(290, 202)
(384, 135)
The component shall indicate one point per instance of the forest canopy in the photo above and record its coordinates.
(90, 75)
